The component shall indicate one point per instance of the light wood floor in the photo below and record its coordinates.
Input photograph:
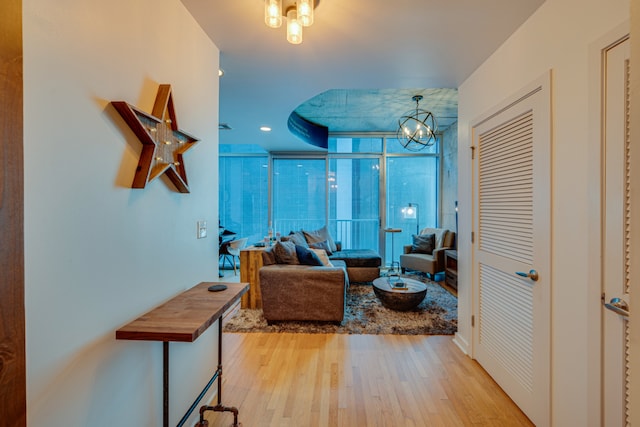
(357, 380)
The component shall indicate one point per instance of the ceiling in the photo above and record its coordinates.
(357, 67)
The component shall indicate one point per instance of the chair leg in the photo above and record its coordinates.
(233, 261)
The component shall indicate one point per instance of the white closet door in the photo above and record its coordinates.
(512, 235)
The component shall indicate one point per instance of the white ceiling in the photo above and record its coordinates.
(369, 56)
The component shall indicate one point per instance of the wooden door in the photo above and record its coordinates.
(511, 244)
(12, 324)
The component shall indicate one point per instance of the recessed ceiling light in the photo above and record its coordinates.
(265, 128)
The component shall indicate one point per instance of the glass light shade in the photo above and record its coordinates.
(273, 13)
(409, 212)
(294, 27)
(305, 12)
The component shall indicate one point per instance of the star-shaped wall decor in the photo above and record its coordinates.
(163, 144)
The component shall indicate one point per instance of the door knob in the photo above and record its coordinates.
(618, 306)
(532, 274)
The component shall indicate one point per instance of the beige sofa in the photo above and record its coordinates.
(428, 263)
(302, 292)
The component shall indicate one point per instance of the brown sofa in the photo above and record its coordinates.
(302, 292)
(428, 263)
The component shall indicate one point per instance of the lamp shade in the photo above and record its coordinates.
(409, 212)
(294, 27)
(273, 13)
(305, 12)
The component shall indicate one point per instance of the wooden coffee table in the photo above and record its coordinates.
(402, 298)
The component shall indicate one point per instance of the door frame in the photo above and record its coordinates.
(596, 156)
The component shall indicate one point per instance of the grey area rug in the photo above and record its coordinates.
(436, 315)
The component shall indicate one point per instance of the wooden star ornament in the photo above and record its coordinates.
(163, 144)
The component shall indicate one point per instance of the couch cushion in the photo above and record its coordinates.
(358, 257)
(268, 257)
(306, 256)
(322, 255)
(441, 234)
(296, 237)
(322, 245)
(423, 244)
(285, 253)
(320, 235)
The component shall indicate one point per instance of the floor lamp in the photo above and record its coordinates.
(411, 212)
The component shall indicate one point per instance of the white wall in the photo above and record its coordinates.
(557, 37)
(97, 253)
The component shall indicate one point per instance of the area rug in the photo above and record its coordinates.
(436, 315)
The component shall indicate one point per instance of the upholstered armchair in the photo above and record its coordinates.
(420, 257)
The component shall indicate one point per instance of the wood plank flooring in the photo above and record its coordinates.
(357, 380)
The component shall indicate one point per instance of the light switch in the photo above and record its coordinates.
(202, 229)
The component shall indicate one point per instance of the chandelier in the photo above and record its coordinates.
(299, 14)
(417, 128)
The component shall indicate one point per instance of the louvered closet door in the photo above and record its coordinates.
(512, 235)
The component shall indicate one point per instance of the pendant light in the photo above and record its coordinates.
(299, 13)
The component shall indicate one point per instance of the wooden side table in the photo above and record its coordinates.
(250, 263)
(451, 268)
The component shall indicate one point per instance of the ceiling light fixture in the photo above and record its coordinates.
(299, 13)
(417, 128)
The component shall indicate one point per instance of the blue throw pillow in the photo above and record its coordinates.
(307, 257)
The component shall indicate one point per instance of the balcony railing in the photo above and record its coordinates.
(352, 233)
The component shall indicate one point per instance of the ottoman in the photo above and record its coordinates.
(363, 265)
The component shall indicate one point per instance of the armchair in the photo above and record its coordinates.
(428, 263)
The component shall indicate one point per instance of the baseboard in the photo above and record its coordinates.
(462, 343)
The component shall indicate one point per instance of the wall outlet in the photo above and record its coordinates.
(202, 229)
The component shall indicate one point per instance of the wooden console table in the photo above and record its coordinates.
(184, 318)
(250, 263)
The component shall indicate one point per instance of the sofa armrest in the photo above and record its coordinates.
(438, 255)
(406, 249)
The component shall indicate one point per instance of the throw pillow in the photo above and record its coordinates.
(319, 236)
(307, 256)
(423, 244)
(323, 257)
(298, 238)
(322, 245)
(285, 253)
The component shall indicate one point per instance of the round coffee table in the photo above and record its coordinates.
(397, 298)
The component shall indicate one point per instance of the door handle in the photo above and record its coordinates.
(532, 274)
(618, 306)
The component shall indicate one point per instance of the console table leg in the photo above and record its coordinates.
(219, 407)
(165, 384)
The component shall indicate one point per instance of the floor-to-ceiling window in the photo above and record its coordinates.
(354, 191)
(299, 194)
(244, 191)
(358, 188)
